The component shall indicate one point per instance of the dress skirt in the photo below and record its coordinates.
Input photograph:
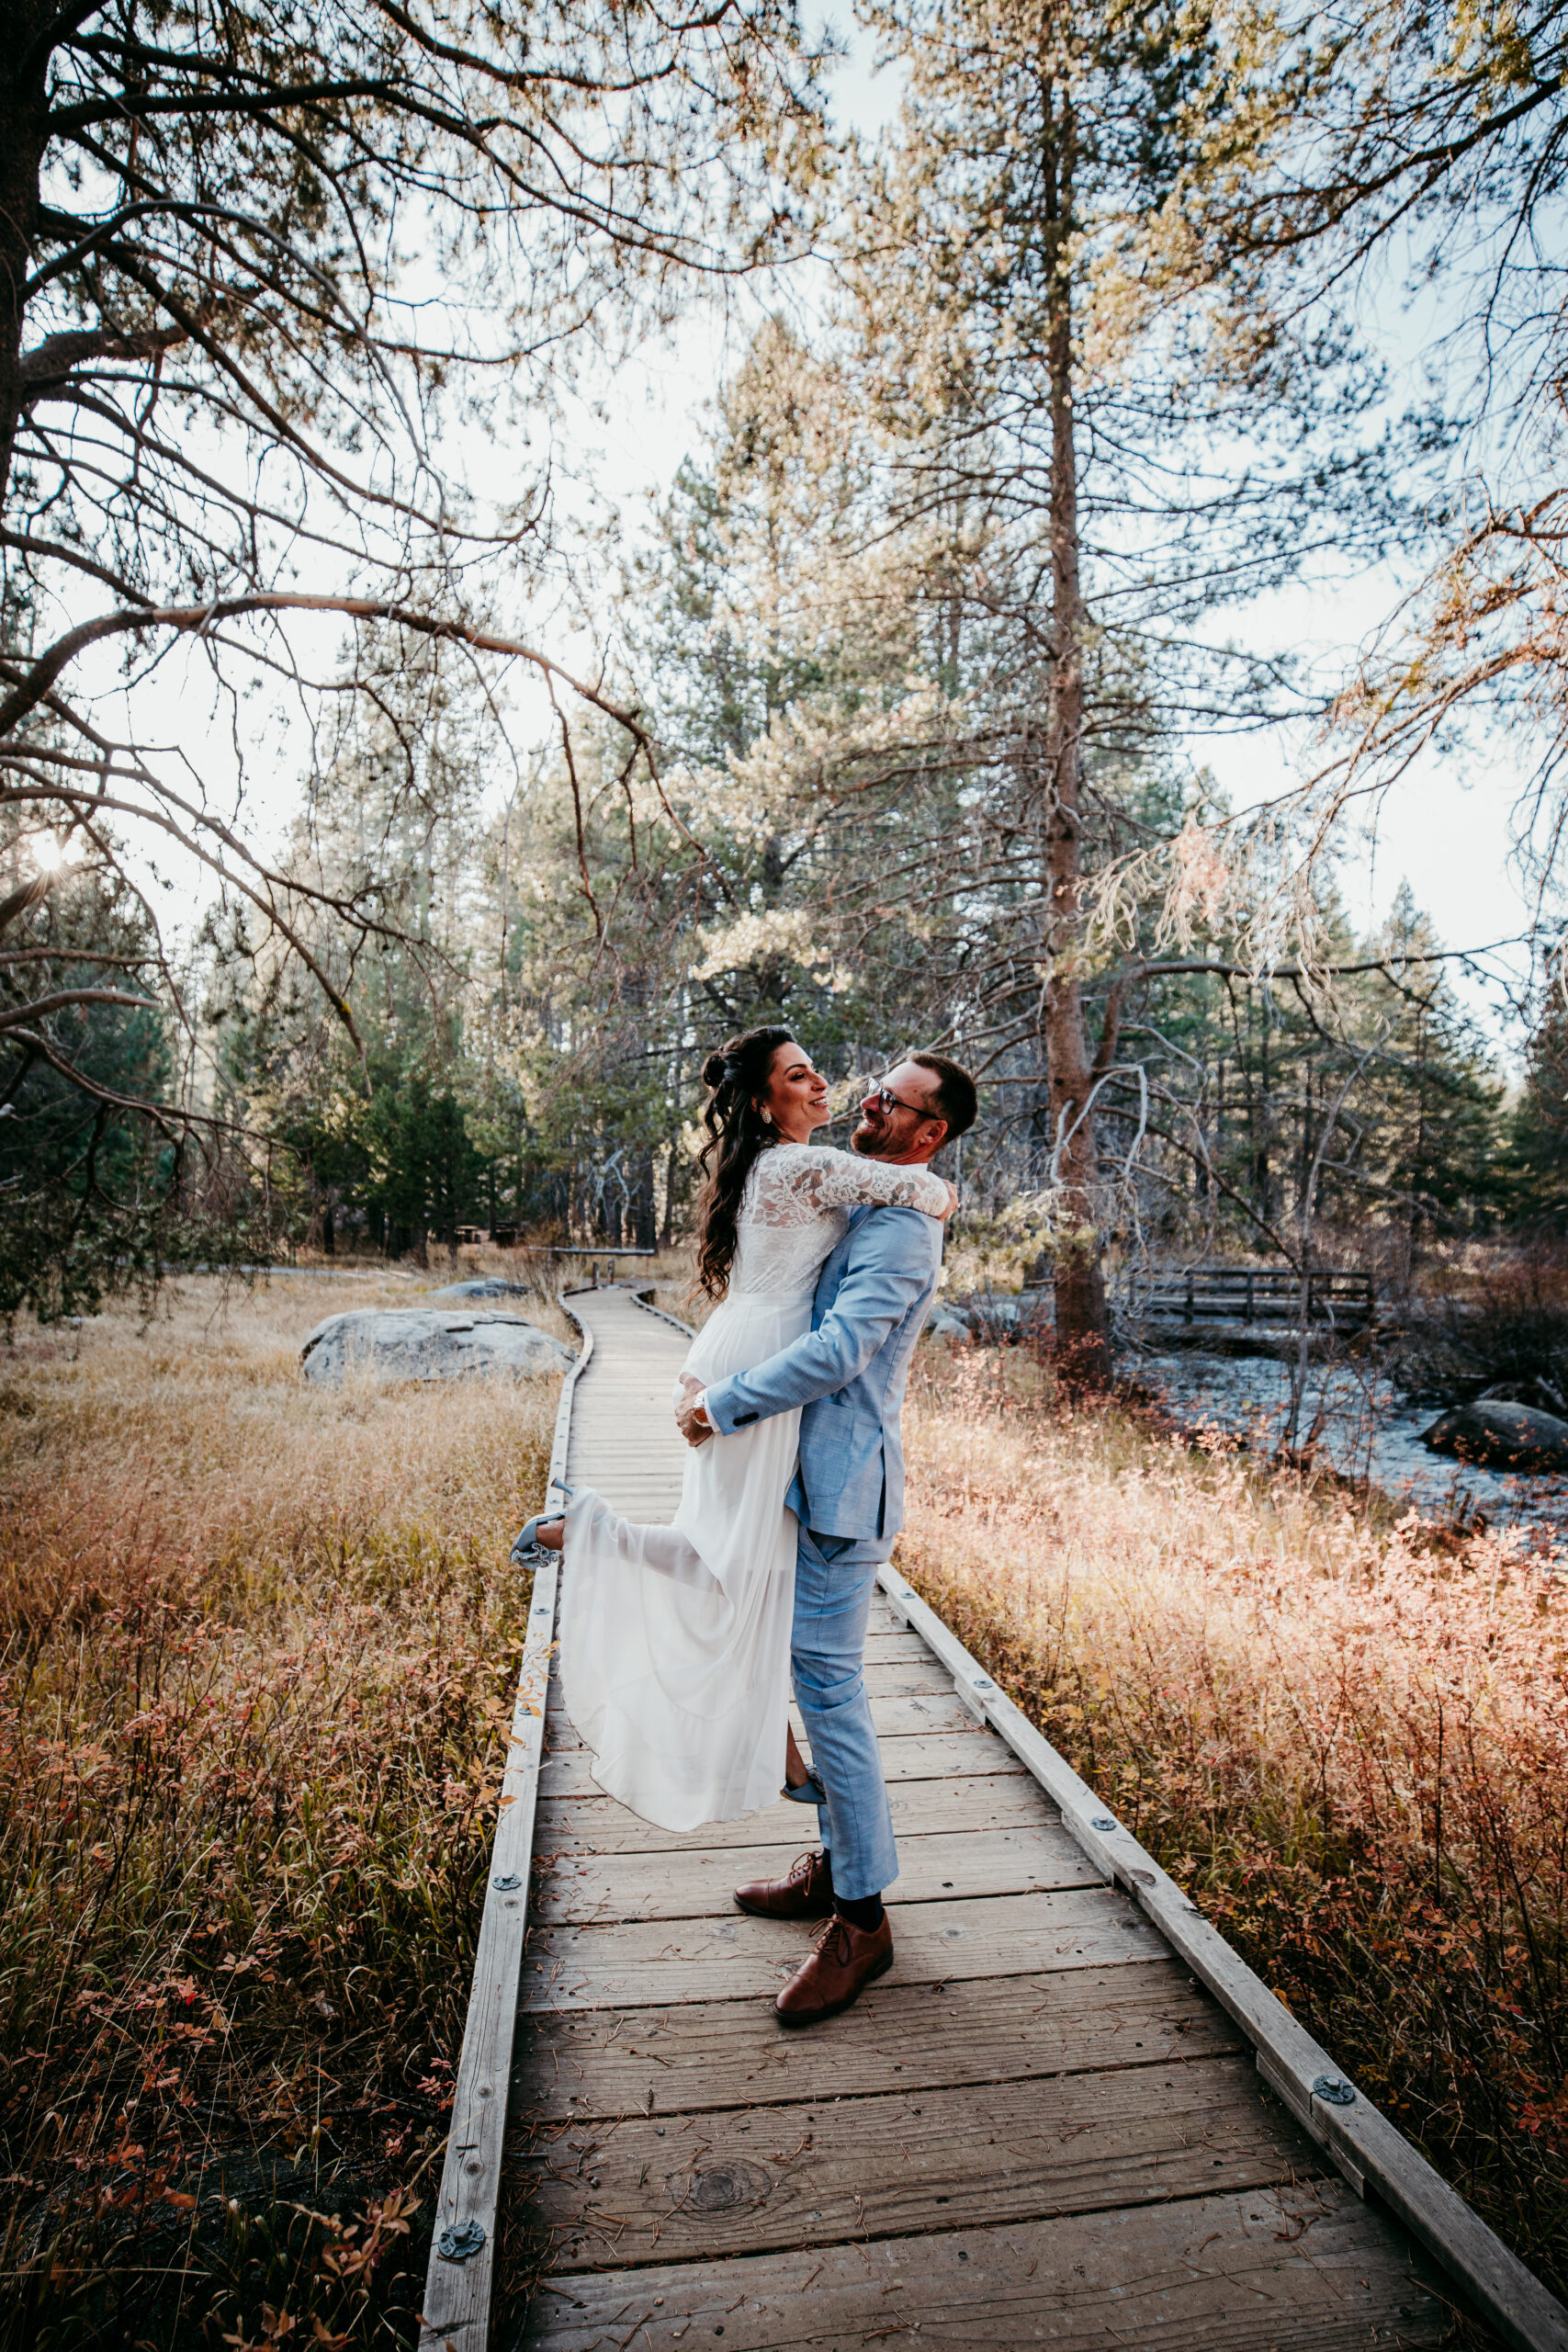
(674, 1641)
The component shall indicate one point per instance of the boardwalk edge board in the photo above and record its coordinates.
(459, 2282)
(1365, 2146)
(644, 1298)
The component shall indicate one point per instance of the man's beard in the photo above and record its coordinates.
(866, 1138)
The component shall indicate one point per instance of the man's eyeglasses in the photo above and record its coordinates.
(888, 1102)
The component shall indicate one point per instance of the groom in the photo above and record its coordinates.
(848, 1372)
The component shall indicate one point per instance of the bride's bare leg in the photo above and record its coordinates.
(796, 1773)
(552, 1535)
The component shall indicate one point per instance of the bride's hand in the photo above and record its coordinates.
(952, 1203)
(695, 1431)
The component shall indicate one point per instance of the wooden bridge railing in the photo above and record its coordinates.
(1263, 1294)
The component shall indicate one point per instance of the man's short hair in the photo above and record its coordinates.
(954, 1098)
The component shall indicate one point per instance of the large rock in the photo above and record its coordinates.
(1495, 1435)
(429, 1343)
(485, 1287)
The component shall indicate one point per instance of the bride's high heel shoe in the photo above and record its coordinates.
(528, 1538)
(808, 1790)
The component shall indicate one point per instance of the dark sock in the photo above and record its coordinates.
(862, 1911)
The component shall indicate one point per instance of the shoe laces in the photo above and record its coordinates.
(836, 1929)
(801, 1869)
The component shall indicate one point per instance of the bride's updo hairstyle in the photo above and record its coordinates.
(738, 1077)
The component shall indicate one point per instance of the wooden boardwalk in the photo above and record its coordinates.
(1041, 2128)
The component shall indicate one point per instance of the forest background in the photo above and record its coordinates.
(882, 726)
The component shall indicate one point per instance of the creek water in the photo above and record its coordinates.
(1369, 1431)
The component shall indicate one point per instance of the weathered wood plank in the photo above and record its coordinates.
(625, 1456)
(908, 1678)
(632, 1421)
(922, 1759)
(738, 1957)
(695, 2055)
(651, 1390)
(624, 1420)
(901, 1717)
(645, 1505)
(633, 2191)
(598, 1824)
(1293, 2269)
(629, 1472)
(590, 1891)
(653, 1387)
(598, 1408)
(650, 1395)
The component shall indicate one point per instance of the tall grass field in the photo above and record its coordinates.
(257, 1645)
(1346, 1736)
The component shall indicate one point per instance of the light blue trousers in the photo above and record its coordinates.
(834, 1579)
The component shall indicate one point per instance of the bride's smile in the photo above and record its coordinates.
(794, 1100)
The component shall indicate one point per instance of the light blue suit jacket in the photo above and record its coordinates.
(848, 1374)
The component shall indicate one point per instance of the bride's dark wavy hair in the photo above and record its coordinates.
(737, 1074)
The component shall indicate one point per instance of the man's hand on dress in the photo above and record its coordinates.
(692, 1422)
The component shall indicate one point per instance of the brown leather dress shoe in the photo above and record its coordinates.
(806, 1893)
(845, 1960)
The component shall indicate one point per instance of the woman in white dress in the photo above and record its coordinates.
(674, 1641)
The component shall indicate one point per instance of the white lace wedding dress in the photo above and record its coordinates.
(674, 1641)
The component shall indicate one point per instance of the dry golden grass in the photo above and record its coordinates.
(256, 1647)
(1349, 1745)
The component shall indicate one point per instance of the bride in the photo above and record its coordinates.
(674, 1641)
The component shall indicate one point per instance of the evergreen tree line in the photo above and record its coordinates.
(548, 964)
(558, 965)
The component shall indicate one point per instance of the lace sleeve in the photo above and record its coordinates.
(822, 1178)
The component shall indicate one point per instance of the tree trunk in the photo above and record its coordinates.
(1083, 1344)
(24, 120)
(640, 1212)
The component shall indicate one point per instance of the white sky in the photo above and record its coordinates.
(1446, 829)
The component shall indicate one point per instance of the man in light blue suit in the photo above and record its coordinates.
(848, 1374)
